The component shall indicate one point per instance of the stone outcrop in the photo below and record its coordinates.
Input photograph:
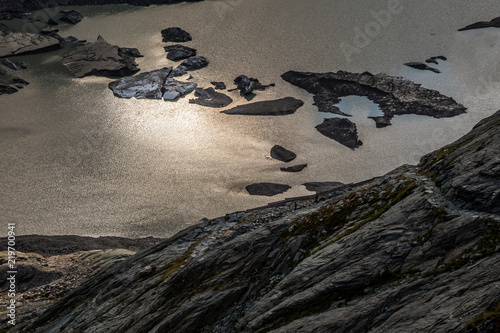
(341, 130)
(211, 98)
(282, 154)
(267, 189)
(279, 107)
(18, 43)
(179, 52)
(102, 59)
(495, 23)
(176, 35)
(398, 253)
(157, 84)
(394, 95)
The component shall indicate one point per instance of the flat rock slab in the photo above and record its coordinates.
(495, 23)
(295, 168)
(211, 98)
(320, 187)
(70, 16)
(267, 189)
(179, 52)
(278, 107)
(176, 35)
(422, 66)
(157, 84)
(282, 154)
(102, 59)
(341, 130)
(394, 95)
(17, 43)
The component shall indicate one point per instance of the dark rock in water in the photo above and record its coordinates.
(495, 23)
(179, 52)
(279, 107)
(267, 189)
(175, 35)
(247, 85)
(394, 95)
(434, 60)
(382, 121)
(21, 64)
(20, 81)
(52, 22)
(211, 98)
(320, 187)
(9, 64)
(282, 154)
(341, 130)
(155, 84)
(5, 89)
(422, 66)
(70, 16)
(102, 59)
(295, 168)
(218, 85)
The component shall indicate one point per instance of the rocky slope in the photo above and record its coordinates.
(416, 250)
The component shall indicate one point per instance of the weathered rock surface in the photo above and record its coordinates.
(392, 254)
(279, 107)
(295, 168)
(17, 43)
(102, 59)
(211, 98)
(247, 85)
(394, 95)
(495, 23)
(175, 34)
(341, 130)
(320, 187)
(267, 189)
(70, 16)
(179, 52)
(155, 84)
(422, 66)
(282, 154)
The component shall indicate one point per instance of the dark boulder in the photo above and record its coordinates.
(341, 130)
(422, 66)
(282, 154)
(267, 189)
(5, 89)
(20, 81)
(247, 85)
(195, 62)
(211, 98)
(218, 85)
(179, 52)
(70, 16)
(52, 22)
(279, 107)
(295, 168)
(9, 64)
(381, 121)
(176, 35)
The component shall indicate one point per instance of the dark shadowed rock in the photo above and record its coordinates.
(193, 63)
(2, 71)
(341, 130)
(21, 64)
(5, 89)
(218, 85)
(320, 187)
(157, 84)
(17, 43)
(247, 85)
(279, 107)
(211, 98)
(282, 154)
(20, 81)
(52, 22)
(434, 60)
(394, 95)
(9, 64)
(179, 52)
(495, 23)
(422, 66)
(102, 59)
(267, 189)
(176, 35)
(70, 16)
(382, 121)
(295, 168)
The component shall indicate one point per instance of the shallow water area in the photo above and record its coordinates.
(78, 160)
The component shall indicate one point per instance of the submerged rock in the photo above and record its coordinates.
(267, 189)
(495, 23)
(422, 66)
(175, 35)
(179, 52)
(279, 107)
(102, 59)
(211, 98)
(295, 168)
(341, 130)
(394, 95)
(18, 43)
(282, 154)
(157, 84)
(70, 16)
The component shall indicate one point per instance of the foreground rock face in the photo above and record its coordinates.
(18, 43)
(398, 253)
(102, 59)
(279, 107)
(394, 95)
(341, 130)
